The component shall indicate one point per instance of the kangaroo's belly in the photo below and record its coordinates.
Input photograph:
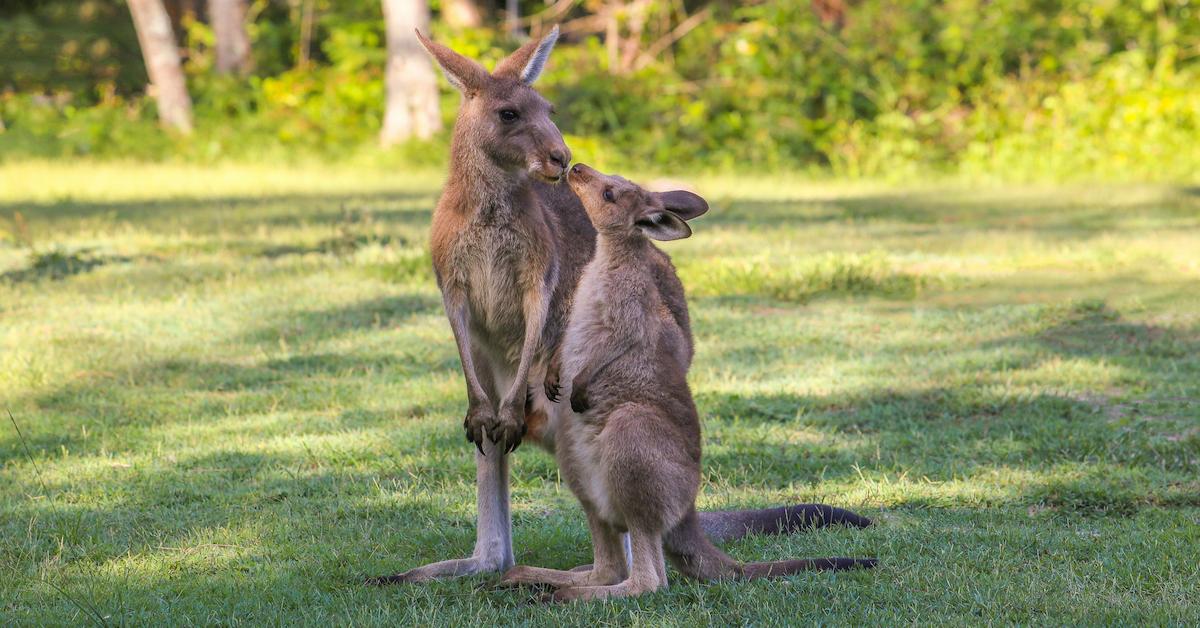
(581, 460)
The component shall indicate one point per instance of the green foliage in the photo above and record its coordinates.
(85, 47)
(1026, 89)
(909, 86)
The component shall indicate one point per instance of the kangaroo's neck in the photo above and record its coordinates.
(482, 184)
(622, 251)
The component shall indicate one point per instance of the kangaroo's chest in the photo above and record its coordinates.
(586, 325)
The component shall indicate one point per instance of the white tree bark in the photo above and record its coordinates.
(228, 18)
(412, 94)
(462, 13)
(512, 17)
(153, 27)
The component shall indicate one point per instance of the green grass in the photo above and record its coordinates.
(239, 397)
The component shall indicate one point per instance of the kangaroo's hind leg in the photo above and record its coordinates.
(645, 576)
(609, 566)
(493, 529)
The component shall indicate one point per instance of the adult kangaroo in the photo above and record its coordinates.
(508, 247)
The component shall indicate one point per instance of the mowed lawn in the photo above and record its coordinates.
(239, 397)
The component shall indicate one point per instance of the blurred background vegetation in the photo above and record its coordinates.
(1008, 89)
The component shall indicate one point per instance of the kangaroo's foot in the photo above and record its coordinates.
(628, 588)
(584, 576)
(523, 574)
(454, 568)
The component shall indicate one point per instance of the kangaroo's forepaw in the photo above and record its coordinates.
(508, 430)
(553, 383)
(478, 421)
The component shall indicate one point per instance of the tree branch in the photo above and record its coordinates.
(675, 35)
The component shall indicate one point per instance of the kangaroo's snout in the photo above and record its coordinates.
(578, 179)
(547, 154)
(582, 172)
(552, 165)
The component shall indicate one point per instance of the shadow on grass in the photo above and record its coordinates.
(1092, 329)
(228, 210)
(320, 324)
(304, 518)
(57, 264)
(331, 246)
(1084, 213)
(927, 431)
(281, 523)
(943, 431)
(155, 397)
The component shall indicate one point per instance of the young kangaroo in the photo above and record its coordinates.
(630, 450)
(508, 247)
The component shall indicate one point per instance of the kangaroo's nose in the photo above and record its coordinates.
(559, 158)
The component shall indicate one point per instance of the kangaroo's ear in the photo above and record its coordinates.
(683, 203)
(527, 62)
(663, 225)
(464, 74)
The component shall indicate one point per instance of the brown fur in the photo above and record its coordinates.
(508, 248)
(631, 450)
(498, 249)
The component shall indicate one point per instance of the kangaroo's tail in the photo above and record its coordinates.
(692, 553)
(734, 524)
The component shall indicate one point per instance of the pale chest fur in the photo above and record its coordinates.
(491, 261)
(586, 323)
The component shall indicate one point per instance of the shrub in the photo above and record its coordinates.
(1032, 89)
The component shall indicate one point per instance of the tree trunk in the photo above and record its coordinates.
(153, 27)
(306, 29)
(462, 13)
(228, 18)
(412, 94)
(512, 17)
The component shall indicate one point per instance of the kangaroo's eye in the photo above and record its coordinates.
(508, 115)
(608, 195)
